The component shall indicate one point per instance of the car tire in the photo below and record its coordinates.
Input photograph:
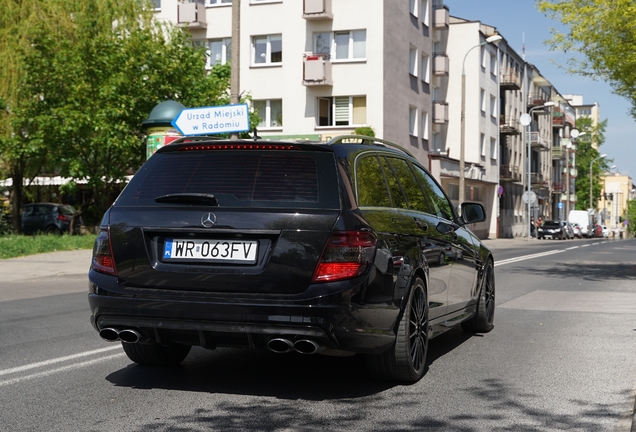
(405, 361)
(52, 229)
(484, 319)
(156, 355)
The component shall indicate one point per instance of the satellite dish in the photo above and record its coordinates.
(525, 119)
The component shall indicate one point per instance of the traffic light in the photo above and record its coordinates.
(611, 196)
(604, 196)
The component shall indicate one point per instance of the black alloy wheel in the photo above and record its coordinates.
(406, 360)
(484, 318)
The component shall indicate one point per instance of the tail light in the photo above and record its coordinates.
(347, 255)
(103, 260)
(62, 217)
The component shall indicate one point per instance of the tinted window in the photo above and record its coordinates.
(414, 196)
(394, 186)
(371, 186)
(239, 178)
(440, 205)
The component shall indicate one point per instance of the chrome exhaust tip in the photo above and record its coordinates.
(306, 346)
(280, 345)
(130, 336)
(109, 334)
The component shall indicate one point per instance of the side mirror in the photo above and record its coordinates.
(473, 213)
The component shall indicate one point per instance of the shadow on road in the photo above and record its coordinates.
(586, 270)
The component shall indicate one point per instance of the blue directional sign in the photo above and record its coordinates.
(213, 120)
(560, 205)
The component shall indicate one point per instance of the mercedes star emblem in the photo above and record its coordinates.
(208, 220)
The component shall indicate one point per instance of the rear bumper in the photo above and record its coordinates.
(163, 317)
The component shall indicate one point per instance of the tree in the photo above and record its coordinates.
(86, 84)
(603, 33)
(585, 153)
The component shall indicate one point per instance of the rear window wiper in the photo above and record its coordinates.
(189, 198)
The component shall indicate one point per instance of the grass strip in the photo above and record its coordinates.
(12, 245)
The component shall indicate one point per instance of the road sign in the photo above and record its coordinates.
(529, 197)
(560, 205)
(213, 120)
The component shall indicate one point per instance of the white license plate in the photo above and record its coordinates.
(212, 250)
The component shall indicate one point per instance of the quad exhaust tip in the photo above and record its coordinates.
(302, 346)
(110, 334)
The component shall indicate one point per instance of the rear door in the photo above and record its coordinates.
(246, 220)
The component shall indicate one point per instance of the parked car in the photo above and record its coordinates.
(341, 247)
(606, 231)
(576, 230)
(581, 217)
(47, 218)
(554, 229)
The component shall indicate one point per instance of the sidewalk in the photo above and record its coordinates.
(44, 265)
(508, 243)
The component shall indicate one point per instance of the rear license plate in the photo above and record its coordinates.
(244, 251)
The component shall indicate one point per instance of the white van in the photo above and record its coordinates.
(582, 218)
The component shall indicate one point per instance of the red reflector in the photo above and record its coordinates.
(314, 57)
(237, 147)
(335, 271)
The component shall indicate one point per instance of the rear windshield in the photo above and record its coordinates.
(289, 179)
(554, 224)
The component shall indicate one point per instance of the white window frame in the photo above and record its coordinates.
(483, 101)
(413, 60)
(217, 3)
(493, 148)
(267, 121)
(493, 64)
(268, 53)
(425, 66)
(412, 120)
(482, 143)
(336, 103)
(226, 51)
(493, 106)
(424, 125)
(333, 48)
(413, 7)
(425, 13)
(484, 59)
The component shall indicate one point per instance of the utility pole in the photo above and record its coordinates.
(235, 64)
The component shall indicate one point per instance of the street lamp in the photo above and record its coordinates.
(591, 162)
(526, 120)
(462, 144)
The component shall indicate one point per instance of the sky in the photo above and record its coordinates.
(518, 21)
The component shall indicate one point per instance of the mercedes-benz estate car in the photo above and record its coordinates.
(341, 247)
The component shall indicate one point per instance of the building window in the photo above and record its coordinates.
(270, 111)
(425, 12)
(424, 125)
(482, 100)
(484, 60)
(342, 45)
(425, 65)
(413, 7)
(155, 4)
(493, 64)
(219, 51)
(217, 2)
(267, 49)
(482, 141)
(413, 120)
(342, 111)
(493, 106)
(493, 148)
(413, 61)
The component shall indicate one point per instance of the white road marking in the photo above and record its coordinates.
(57, 360)
(527, 257)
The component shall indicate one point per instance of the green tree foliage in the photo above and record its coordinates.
(631, 217)
(586, 152)
(602, 38)
(90, 72)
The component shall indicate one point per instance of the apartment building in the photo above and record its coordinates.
(320, 68)
(617, 190)
(592, 111)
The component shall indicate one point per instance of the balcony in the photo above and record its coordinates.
(317, 9)
(573, 172)
(558, 187)
(317, 70)
(440, 112)
(509, 79)
(564, 197)
(509, 173)
(558, 152)
(537, 99)
(539, 141)
(536, 178)
(558, 119)
(441, 18)
(440, 65)
(191, 15)
(508, 125)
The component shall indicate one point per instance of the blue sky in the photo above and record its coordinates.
(519, 19)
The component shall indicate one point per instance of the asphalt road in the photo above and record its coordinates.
(560, 358)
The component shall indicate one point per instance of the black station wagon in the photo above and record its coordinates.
(338, 248)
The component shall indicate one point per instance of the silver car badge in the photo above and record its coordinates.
(208, 220)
